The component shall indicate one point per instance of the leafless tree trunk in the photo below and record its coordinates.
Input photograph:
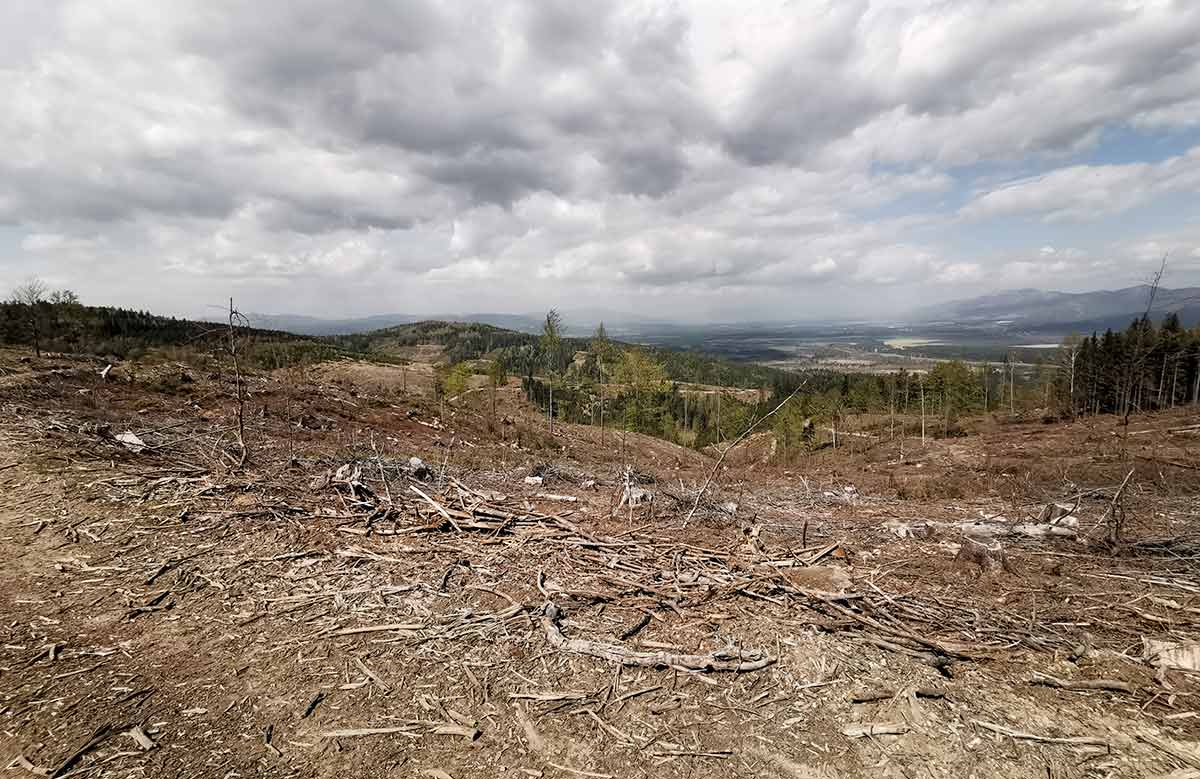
(921, 383)
(1174, 382)
(236, 319)
(1134, 368)
(1196, 385)
(1071, 392)
(600, 364)
(892, 433)
(1115, 513)
(1012, 386)
(1162, 382)
(719, 393)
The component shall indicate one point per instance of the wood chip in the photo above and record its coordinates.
(141, 738)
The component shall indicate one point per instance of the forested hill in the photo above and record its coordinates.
(120, 333)
(523, 352)
(69, 326)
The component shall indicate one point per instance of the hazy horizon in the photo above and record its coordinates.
(678, 161)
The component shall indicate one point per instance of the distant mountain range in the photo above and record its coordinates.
(577, 322)
(1030, 310)
(1040, 310)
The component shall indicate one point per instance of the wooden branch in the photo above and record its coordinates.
(1081, 684)
(733, 660)
(1165, 461)
(1022, 735)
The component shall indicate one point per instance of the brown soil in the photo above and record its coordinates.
(213, 606)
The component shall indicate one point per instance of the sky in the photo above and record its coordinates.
(693, 160)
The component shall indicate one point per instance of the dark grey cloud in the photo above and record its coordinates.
(647, 168)
(496, 177)
(114, 191)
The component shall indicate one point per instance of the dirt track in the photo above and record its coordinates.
(214, 608)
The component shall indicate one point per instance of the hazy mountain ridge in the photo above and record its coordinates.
(1039, 309)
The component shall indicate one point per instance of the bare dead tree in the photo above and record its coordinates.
(1135, 372)
(1012, 386)
(921, 382)
(32, 294)
(1114, 515)
(236, 320)
(1068, 356)
(716, 467)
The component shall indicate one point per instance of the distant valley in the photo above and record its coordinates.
(1025, 324)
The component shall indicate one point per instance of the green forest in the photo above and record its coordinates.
(1145, 368)
(60, 323)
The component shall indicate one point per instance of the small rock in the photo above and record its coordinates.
(419, 470)
(131, 441)
(533, 481)
(824, 578)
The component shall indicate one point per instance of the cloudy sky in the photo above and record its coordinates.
(690, 159)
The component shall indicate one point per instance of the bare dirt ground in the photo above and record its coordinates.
(328, 610)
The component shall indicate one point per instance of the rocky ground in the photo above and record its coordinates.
(330, 607)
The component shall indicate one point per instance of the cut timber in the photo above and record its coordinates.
(721, 660)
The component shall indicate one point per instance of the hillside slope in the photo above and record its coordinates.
(331, 609)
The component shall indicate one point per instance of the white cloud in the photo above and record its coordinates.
(1085, 192)
(419, 153)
